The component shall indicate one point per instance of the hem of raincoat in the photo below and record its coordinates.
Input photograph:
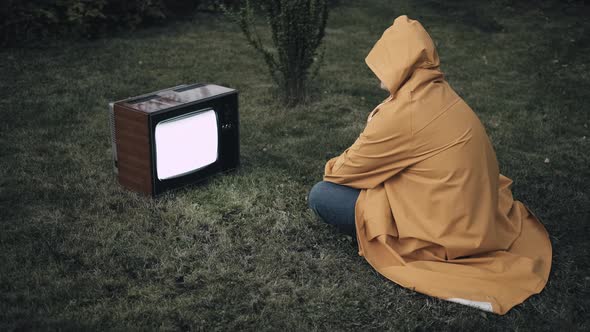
(537, 289)
(497, 308)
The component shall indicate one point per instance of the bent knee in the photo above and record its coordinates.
(314, 198)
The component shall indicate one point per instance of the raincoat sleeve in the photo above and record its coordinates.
(383, 149)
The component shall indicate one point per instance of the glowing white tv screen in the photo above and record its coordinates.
(186, 143)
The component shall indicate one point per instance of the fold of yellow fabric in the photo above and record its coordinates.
(434, 213)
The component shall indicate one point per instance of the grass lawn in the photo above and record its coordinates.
(242, 251)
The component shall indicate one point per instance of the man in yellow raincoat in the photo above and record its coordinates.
(421, 189)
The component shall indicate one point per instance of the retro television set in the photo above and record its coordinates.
(174, 137)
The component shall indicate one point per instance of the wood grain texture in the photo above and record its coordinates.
(133, 149)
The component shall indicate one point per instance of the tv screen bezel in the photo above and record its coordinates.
(226, 148)
(186, 115)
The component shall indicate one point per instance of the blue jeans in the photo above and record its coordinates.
(334, 204)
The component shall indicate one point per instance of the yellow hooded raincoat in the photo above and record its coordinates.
(434, 213)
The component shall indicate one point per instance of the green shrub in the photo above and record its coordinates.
(21, 21)
(297, 28)
(33, 19)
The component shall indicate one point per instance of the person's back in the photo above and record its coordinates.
(464, 172)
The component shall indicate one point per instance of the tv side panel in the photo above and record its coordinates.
(133, 149)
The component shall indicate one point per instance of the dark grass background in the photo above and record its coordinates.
(242, 251)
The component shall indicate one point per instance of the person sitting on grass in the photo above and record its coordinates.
(420, 189)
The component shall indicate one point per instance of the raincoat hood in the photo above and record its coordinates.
(404, 48)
